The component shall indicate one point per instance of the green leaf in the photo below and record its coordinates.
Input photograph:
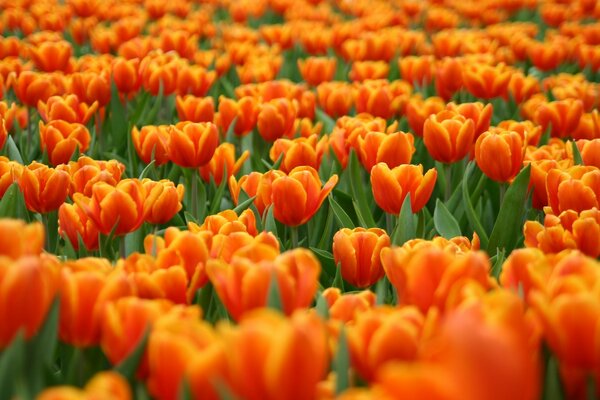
(342, 363)
(326, 236)
(405, 227)
(147, 170)
(472, 216)
(118, 119)
(552, 384)
(244, 205)
(12, 361)
(13, 151)
(576, 154)
(509, 221)
(328, 122)
(357, 187)
(9, 202)
(444, 222)
(44, 343)
(274, 294)
(498, 261)
(215, 204)
(185, 391)
(129, 365)
(321, 306)
(328, 265)
(338, 281)
(340, 215)
(270, 224)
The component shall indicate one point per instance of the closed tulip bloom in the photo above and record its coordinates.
(479, 113)
(32, 87)
(21, 239)
(588, 127)
(391, 186)
(119, 207)
(192, 144)
(163, 200)
(244, 111)
(448, 77)
(500, 155)
(276, 119)
(299, 152)
(91, 86)
(417, 70)
(418, 110)
(195, 109)
(590, 152)
(67, 108)
(151, 142)
(335, 98)
(86, 172)
(52, 56)
(126, 75)
(227, 222)
(299, 195)
(27, 289)
(486, 81)
(448, 136)
(392, 149)
(195, 80)
(345, 307)
(76, 226)
(44, 188)
(157, 74)
(315, 70)
(363, 70)
(255, 184)
(223, 162)
(103, 385)
(577, 188)
(521, 87)
(60, 139)
(561, 116)
(357, 252)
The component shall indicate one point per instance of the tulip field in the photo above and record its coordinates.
(300, 199)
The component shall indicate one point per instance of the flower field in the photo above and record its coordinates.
(299, 199)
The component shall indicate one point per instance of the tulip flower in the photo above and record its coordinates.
(364, 70)
(195, 80)
(590, 152)
(448, 136)
(74, 225)
(67, 108)
(417, 70)
(392, 149)
(345, 307)
(21, 239)
(316, 70)
(27, 289)
(195, 109)
(33, 87)
(60, 139)
(300, 152)
(192, 144)
(479, 113)
(255, 184)
(90, 87)
(126, 76)
(244, 111)
(151, 143)
(391, 186)
(44, 188)
(448, 77)
(103, 385)
(418, 110)
(485, 81)
(576, 189)
(163, 200)
(86, 172)
(223, 162)
(562, 117)
(299, 195)
(227, 222)
(52, 56)
(357, 252)
(276, 119)
(499, 154)
(335, 98)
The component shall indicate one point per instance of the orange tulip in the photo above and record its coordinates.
(195, 109)
(255, 184)
(157, 73)
(382, 335)
(485, 81)
(244, 111)
(417, 70)
(530, 133)
(67, 108)
(126, 76)
(85, 172)
(90, 87)
(588, 127)
(60, 139)
(119, 208)
(562, 117)
(299, 195)
(364, 70)
(448, 136)
(151, 143)
(195, 80)
(224, 158)
(44, 188)
(279, 358)
(192, 144)
(448, 77)
(74, 225)
(500, 154)
(21, 239)
(357, 253)
(577, 188)
(479, 113)
(391, 186)
(546, 56)
(32, 87)
(381, 99)
(316, 70)
(590, 152)
(299, 152)
(27, 289)
(521, 87)
(335, 98)
(104, 385)
(227, 222)
(345, 307)
(243, 283)
(163, 200)
(276, 119)
(418, 110)
(52, 56)
(392, 149)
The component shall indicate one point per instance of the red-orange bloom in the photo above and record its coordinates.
(392, 149)
(479, 113)
(577, 188)
(335, 98)
(126, 75)
(299, 195)
(500, 154)
(363, 70)
(163, 200)
(44, 188)
(52, 56)
(448, 77)
(192, 144)
(60, 139)
(299, 152)
(194, 80)
(223, 160)
(485, 81)
(357, 252)
(67, 108)
(255, 184)
(418, 110)
(151, 143)
(417, 70)
(85, 172)
(562, 117)
(590, 152)
(32, 87)
(195, 109)
(448, 136)
(21, 239)
(345, 307)
(244, 111)
(391, 186)
(74, 225)
(316, 70)
(276, 119)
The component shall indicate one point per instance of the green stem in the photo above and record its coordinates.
(46, 223)
(389, 223)
(122, 250)
(194, 185)
(503, 187)
(294, 234)
(421, 224)
(448, 177)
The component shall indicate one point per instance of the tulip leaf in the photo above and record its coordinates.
(277, 163)
(270, 224)
(553, 389)
(444, 221)
(498, 262)
(147, 169)
(472, 217)
(328, 264)
(405, 227)
(321, 306)
(215, 204)
(141, 393)
(13, 151)
(118, 119)
(342, 218)
(357, 187)
(44, 343)
(129, 365)
(509, 220)
(244, 205)
(185, 391)
(274, 294)
(338, 280)
(578, 160)
(326, 236)
(342, 363)
(12, 361)
(8, 203)
(328, 122)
